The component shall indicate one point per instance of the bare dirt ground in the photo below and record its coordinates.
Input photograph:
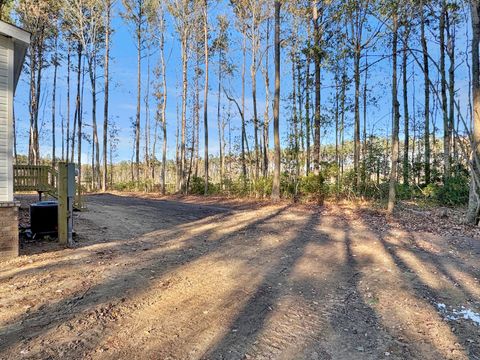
(210, 279)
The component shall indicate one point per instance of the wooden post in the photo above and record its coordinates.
(66, 192)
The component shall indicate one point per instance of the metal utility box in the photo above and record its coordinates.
(71, 188)
(44, 218)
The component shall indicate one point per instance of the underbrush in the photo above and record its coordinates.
(320, 187)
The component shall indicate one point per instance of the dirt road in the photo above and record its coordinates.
(167, 279)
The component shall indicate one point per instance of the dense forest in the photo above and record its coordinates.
(288, 94)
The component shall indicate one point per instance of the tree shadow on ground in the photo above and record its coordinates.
(124, 284)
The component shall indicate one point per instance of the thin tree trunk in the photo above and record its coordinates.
(266, 124)
(219, 120)
(65, 156)
(337, 117)
(181, 175)
(108, 5)
(356, 140)
(244, 134)
(164, 108)
(396, 119)
(276, 106)
(77, 101)
(427, 92)
(307, 113)
(139, 93)
(79, 124)
(446, 124)
(316, 142)
(205, 99)
(342, 119)
(95, 142)
(54, 99)
(451, 83)
(253, 73)
(147, 119)
(364, 145)
(295, 120)
(406, 115)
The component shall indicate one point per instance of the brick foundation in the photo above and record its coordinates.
(8, 230)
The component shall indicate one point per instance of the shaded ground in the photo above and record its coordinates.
(186, 279)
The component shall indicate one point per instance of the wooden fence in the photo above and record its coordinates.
(40, 178)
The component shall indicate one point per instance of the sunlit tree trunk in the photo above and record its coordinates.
(474, 201)
(316, 141)
(266, 121)
(406, 115)
(205, 96)
(443, 80)
(276, 107)
(106, 69)
(427, 92)
(396, 117)
(54, 99)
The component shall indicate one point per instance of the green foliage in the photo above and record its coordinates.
(454, 192)
(263, 187)
(197, 186)
(313, 187)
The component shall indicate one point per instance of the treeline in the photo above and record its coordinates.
(314, 64)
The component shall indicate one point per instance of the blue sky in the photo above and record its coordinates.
(123, 91)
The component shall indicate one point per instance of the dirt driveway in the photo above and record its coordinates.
(189, 279)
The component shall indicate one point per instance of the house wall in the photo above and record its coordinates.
(6, 125)
(8, 208)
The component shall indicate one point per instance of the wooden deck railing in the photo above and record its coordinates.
(41, 178)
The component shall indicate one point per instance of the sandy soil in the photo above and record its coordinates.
(196, 279)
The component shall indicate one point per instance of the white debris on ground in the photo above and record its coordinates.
(455, 315)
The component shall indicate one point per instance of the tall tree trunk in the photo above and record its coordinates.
(147, 120)
(54, 98)
(316, 142)
(342, 118)
(396, 118)
(427, 92)
(164, 108)
(106, 69)
(95, 142)
(406, 115)
(205, 96)
(364, 144)
(139, 93)
(276, 107)
(450, 28)
(196, 115)
(244, 133)
(446, 124)
(219, 120)
(337, 118)
(79, 124)
(181, 174)
(295, 119)
(307, 113)
(77, 100)
(67, 147)
(253, 73)
(356, 132)
(266, 116)
(474, 201)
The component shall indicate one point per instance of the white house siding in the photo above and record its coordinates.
(6, 73)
